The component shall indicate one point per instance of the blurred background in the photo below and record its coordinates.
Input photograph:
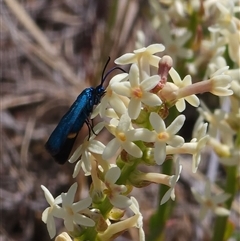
(50, 51)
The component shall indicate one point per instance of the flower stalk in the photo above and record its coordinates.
(137, 112)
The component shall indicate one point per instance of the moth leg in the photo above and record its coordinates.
(89, 123)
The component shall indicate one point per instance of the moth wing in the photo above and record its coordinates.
(76, 114)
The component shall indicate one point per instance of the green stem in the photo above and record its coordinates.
(104, 207)
(125, 173)
(159, 219)
(221, 222)
(231, 188)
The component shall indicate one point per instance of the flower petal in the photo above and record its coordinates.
(120, 201)
(45, 214)
(175, 77)
(193, 100)
(132, 149)
(221, 91)
(122, 89)
(81, 205)
(85, 221)
(157, 122)
(155, 48)
(112, 174)
(68, 223)
(51, 226)
(180, 105)
(48, 195)
(221, 198)
(166, 196)
(96, 147)
(68, 198)
(77, 153)
(124, 123)
(134, 108)
(118, 78)
(111, 149)
(176, 141)
(77, 168)
(117, 104)
(159, 152)
(221, 211)
(176, 125)
(141, 134)
(151, 99)
(154, 60)
(134, 76)
(126, 59)
(150, 83)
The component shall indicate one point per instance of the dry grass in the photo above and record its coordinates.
(50, 51)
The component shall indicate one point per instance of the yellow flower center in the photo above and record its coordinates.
(227, 18)
(137, 92)
(163, 136)
(109, 92)
(69, 210)
(209, 203)
(108, 192)
(121, 136)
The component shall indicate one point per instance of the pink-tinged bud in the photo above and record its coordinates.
(164, 65)
(169, 94)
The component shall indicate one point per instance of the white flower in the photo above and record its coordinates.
(135, 208)
(174, 46)
(235, 85)
(234, 47)
(162, 135)
(71, 211)
(187, 81)
(233, 159)
(221, 82)
(110, 97)
(200, 140)
(88, 147)
(114, 191)
(146, 54)
(193, 147)
(144, 58)
(172, 182)
(48, 213)
(216, 121)
(226, 19)
(200, 144)
(210, 202)
(123, 138)
(138, 91)
(200, 128)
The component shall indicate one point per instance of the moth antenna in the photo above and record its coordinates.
(104, 71)
(109, 72)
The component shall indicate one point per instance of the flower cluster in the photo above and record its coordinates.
(135, 111)
(134, 104)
